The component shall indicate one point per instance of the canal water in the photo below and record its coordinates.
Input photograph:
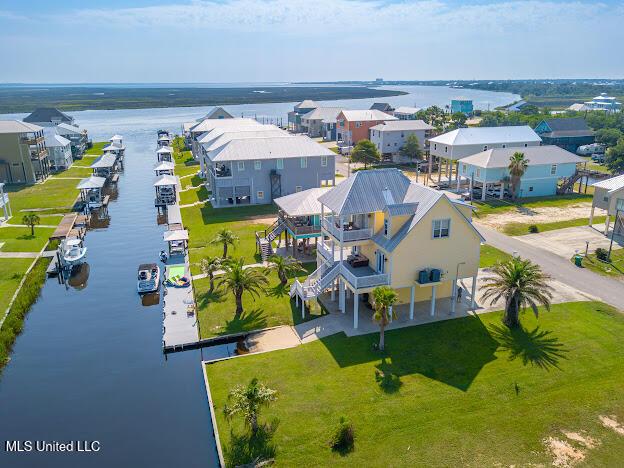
(88, 365)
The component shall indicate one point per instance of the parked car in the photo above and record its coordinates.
(495, 192)
(586, 150)
(599, 158)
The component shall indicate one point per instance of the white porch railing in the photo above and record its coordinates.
(325, 251)
(346, 235)
(369, 281)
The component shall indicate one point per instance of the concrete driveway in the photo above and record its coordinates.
(565, 242)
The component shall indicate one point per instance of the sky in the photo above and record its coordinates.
(116, 41)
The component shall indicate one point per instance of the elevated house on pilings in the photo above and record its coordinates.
(167, 188)
(164, 140)
(164, 153)
(609, 196)
(164, 168)
(379, 228)
(105, 166)
(92, 195)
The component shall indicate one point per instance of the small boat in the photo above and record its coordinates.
(73, 252)
(148, 278)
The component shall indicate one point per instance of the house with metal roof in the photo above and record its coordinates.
(321, 122)
(406, 112)
(59, 150)
(609, 196)
(567, 133)
(354, 125)
(78, 137)
(379, 228)
(48, 117)
(383, 107)
(23, 153)
(389, 137)
(218, 113)
(299, 110)
(547, 165)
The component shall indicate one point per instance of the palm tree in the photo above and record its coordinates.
(518, 165)
(521, 283)
(285, 266)
(209, 266)
(247, 401)
(225, 237)
(31, 220)
(384, 297)
(239, 280)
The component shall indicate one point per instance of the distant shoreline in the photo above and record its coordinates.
(17, 99)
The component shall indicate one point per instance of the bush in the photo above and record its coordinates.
(602, 254)
(343, 438)
(533, 229)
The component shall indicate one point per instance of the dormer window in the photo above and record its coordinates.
(386, 227)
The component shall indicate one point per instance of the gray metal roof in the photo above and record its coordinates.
(324, 114)
(406, 110)
(366, 115)
(225, 137)
(46, 114)
(402, 125)
(402, 209)
(165, 166)
(216, 111)
(166, 179)
(280, 147)
(210, 124)
(65, 128)
(52, 139)
(91, 183)
(15, 126)
(613, 184)
(164, 149)
(536, 156)
(105, 161)
(304, 203)
(488, 135)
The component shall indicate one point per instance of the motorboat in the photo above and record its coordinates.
(148, 278)
(73, 252)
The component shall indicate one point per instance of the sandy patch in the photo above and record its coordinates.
(564, 454)
(546, 214)
(261, 219)
(583, 439)
(611, 422)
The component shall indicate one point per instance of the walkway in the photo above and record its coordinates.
(606, 289)
(179, 320)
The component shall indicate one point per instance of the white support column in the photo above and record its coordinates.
(483, 189)
(341, 295)
(390, 314)
(356, 305)
(458, 178)
(502, 191)
(296, 299)
(412, 291)
(433, 300)
(302, 308)
(333, 290)
(453, 296)
(473, 300)
(591, 215)
(607, 223)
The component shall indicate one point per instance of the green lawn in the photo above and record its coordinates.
(216, 311)
(18, 239)
(520, 229)
(97, 148)
(462, 392)
(194, 195)
(48, 219)
(11, 272)
(491, 256)
(76, 170)
(614, 269)
(488, 207)
(203, 222)
(182, 170)
(59, 194)
(86, 161)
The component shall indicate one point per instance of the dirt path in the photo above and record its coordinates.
(546, 214)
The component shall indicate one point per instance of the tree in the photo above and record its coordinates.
(521, 284)
(459, 119)
(608, 136)
(31, 220)
(614, 158)
(285, 266)
(411, 149)
(365, 152)
(225, 237)
(239, 280)
(518, 165)
(247, 401)
(209, 266)
(384, 297)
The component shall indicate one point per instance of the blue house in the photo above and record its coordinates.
(462, 105)
(568, 134)
(547, 165)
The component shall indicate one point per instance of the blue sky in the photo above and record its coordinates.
(293, 40)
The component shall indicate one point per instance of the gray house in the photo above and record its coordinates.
(48, 117)
(321, 122)
(389, 137)
(257, 170)
(59, 150)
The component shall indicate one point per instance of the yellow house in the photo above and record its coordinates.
(379, 228)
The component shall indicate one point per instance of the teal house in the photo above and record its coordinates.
(568, 134)
(462, 105)
(547, 166)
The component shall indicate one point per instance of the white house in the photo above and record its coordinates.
(321, 122)
(406, 113)
(609, 195)
(59, 150)
(389, 137)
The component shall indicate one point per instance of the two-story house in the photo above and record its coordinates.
(389, 137)
(379, 228)
(299, 110)
(48, 117)
(78, 137)
(23, 153)
(609, 196)
(321, 122)
(59, 150)
(354, 125)
(569, 134)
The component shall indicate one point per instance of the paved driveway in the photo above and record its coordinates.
(565, 242)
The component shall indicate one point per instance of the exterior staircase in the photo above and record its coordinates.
(264, 239)
(319, 280)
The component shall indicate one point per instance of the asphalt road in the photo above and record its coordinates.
(606, 289)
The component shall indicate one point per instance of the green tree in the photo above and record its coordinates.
(247, 401)
(31, 220)
(608, 136)
(459, 119)
(614, 158)
(518, 165)
(384, 297)
(209, 266)
(365, 152)
(239, 280)
(227, 238)
(411, 149)
(521, 284)
(285, 266)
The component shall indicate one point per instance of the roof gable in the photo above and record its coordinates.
(488, 135)
(48, 114)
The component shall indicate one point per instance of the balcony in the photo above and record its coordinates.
(38, 153)
(348, 233)
(32, 140)
(364, 276)
(221, 172)
(299, 226)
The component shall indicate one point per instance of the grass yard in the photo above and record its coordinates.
(490, 256)
(216, 311)
(488, 207)
(521, 229)
(462, 392)
(76, 171)
(86, 161)
(18, 239)
(54, 195)
(97, 148)
(203, 222)
(194, 195)
(11, 273)
(614, 269)
(48, 219)
(182, 170)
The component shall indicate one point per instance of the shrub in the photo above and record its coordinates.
(602, 254)
(343, 438)
(533, 229)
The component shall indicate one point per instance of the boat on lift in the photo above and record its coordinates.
(73, 252)
(148, 278)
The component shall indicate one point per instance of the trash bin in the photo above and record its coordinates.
(578, 260)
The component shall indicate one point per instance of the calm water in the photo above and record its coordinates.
(88, 365)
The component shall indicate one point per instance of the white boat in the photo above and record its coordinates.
(148, 278)
(73, 252)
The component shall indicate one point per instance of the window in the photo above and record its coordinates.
(298, 188)
(463, 168)
(358, 124)
(280, 163)
(324, 161)
(441, 228)
(385, 227)
(526, 145)
(553, 169)
(531, 188)
(478, 172)
(619, 204)
(402, 135)
(241, 165)
(435, 146)
(485, 148)
(260, 195)
(388, 144)
(446, 149)
(304, 163)
(257, 165)
(504, 145)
